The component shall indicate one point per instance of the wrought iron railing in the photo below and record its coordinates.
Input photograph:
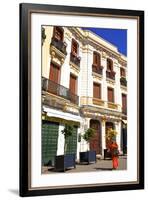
(59, 90)
(75, 59)
(110, 74)
(60, 45)
(97, 69)
(123, 81)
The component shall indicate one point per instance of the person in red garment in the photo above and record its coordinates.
(113, 147)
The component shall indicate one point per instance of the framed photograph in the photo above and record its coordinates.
(81, 99)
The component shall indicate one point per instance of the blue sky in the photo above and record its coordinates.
(117, 37)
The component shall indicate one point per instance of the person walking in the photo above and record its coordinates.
(113, 148)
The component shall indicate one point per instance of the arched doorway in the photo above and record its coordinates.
(95, 142)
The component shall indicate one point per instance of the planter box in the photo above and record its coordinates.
(107, 155)
(88, 156)
(63, 162)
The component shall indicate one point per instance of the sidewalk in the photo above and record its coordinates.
(100, 165)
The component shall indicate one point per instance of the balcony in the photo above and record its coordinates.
(123, 81)
(112, 105)
(97, 69)
(59, 90)
(75, 59)
(60, 45)
(110, 74)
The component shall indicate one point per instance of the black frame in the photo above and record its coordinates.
(25, 91)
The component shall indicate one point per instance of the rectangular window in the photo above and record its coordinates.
(58, 33)
(96, 59)
(109, 64)
(122, 72)
(124, 103)
(54, 73)
(74, 47)
(110, 94)
(96, 90)
(73, 84)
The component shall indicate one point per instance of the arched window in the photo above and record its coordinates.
(96, 59)
(122, 72)
(109, 64)
(58, 33)
(74, 47)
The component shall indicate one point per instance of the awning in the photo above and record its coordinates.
(61, 117)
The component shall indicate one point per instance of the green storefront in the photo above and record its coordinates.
(50, 131)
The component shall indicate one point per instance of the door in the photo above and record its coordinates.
(96, 90)
(73, 88)
(95, 142)
(73, 84)
(54, 79)
(49, 141)
(124, 103)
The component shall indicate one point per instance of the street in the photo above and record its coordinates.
(100, 165)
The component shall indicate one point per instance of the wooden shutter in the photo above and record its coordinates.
(96, 90)
(58, 33)
(54, 73)
(122, 72)
(110, 94)
(124, 102)
(73, 84)
(109, 64)
(74, 47)
(96, 59)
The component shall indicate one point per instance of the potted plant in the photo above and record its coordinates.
(62, 162)
(88, 156)
(110, 136)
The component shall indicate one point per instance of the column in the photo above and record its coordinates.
(118, 137)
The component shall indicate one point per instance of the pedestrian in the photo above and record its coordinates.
(113, 148)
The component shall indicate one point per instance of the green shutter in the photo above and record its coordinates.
(49, 141)
(72, 143)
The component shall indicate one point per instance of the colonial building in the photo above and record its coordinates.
(84, 83)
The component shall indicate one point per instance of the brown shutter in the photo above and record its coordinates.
(54, 73)
(96, 59)
(58, 33)
(110, 95)
(96, 90)
(109, 64)
(73, 84)
(74, 47)
(124, 102)
(122, 72)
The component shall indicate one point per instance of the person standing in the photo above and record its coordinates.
(113, 147)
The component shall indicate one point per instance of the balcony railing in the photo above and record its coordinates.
(59, 90)
(97, 69)
(123, 81)
(110, 74)
(75, 59)
(98, 102)
(112, 105)
(60, 45)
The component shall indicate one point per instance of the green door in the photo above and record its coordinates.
(49, 141)
(72, 143)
